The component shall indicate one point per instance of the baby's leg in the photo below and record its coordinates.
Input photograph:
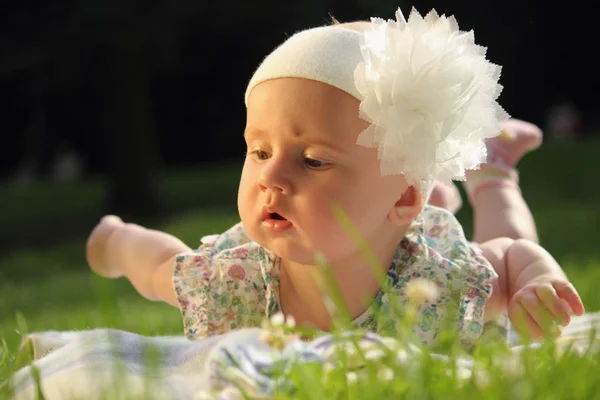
(445, 196)
(498, 206)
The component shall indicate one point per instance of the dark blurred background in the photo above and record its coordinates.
(123, 106)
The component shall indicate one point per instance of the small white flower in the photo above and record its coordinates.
(391, 343)
(352, 378)
(386, 374)
(265, 335)
(374, 354)
(402, 357)
(328, 368)
(421, 291)
(277, 319)
(463, 374)
(290, 322)
(277, 331)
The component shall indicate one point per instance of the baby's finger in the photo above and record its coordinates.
(567, 292)
(111, 219)
(548, 296)
(567, 306)
(524, 324)
(538, 311)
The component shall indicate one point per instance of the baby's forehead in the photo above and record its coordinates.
(301, 96)
(304, 107)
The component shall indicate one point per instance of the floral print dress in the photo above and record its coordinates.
(231, 282)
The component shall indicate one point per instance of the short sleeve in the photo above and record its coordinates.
(219, 286)
(479, 277)
(465, 261)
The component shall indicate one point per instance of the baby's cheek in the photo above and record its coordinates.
(330, 236)
(333, 217)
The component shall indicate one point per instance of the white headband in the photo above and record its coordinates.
(425, 87)
(327, 54)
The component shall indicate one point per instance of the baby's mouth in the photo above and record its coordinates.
(276, 217)
(275, 222)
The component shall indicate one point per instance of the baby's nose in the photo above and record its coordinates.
(276, 178)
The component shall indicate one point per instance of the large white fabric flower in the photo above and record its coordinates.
(430, 96)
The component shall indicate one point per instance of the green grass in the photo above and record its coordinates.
(47, 211)
(43, 285)
(53, 289)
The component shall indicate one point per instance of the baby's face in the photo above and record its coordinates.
(302, 161)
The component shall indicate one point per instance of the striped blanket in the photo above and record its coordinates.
(95, 364)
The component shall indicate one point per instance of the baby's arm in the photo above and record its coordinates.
(146, 257)
(531, 287)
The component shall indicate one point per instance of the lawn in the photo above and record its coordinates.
(51, 288)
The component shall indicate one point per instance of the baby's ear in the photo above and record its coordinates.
(407, 208)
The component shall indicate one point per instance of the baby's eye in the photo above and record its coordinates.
(260, 154)
(312, 163)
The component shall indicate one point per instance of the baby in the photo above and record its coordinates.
(364, 118)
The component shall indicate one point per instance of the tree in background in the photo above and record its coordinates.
(140, 85)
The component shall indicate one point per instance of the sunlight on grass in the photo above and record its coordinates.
(79, 301)
(53, 289)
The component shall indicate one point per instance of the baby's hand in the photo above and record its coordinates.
(96, 248)
(542, 305)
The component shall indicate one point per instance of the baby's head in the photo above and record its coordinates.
(318, 136)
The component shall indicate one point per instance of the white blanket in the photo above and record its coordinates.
(95, 363)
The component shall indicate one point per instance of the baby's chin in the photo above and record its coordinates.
(287, 250)
(294, 255)
(292, 248)
(290, 253)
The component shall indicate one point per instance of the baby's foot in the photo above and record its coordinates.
(516, 139)
(445, 196)
(504, 152)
